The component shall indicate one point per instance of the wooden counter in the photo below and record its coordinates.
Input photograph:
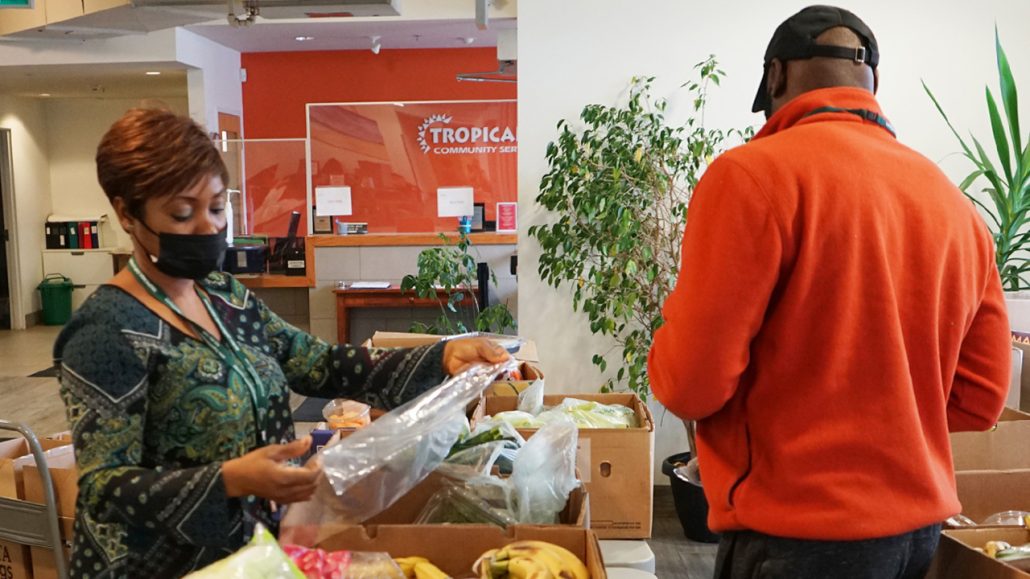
(366, 240)
(268, 280)
(407, 239)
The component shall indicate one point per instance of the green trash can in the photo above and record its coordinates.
(55, 292)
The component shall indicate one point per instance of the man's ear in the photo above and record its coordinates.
(776, 78)
(121, 209)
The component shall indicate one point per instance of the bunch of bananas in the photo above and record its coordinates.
(419, 568)
(530, 560)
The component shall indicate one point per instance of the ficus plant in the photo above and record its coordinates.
(452, 268)
(1007, 181)
(617, 189)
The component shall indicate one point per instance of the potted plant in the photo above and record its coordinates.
(452, 268)
(1006, 183)
(618, 186)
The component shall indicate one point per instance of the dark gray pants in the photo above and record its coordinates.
(751, 555)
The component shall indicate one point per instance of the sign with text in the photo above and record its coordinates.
(507, 217)
(454, 201)
(332, 201)
(403, 160)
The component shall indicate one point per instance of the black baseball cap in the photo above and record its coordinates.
(795, 40)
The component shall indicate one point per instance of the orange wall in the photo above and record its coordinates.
(280, 84)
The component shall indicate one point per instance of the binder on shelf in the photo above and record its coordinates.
(73, 235)
(53, 239)
(62, 229)
(85, 235)
(94, 234)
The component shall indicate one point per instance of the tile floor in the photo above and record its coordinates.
(35, 402)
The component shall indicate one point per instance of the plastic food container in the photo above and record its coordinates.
(341, 413)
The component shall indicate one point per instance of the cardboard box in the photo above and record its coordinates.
(454, 548)
(1009, 414)
(528, 352)
(1005, 447)
(43, 566)
(616, 465)
(987, 492)
(957, 557)
(63, 474)
(15, 559)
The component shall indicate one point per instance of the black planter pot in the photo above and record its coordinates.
(691, 505)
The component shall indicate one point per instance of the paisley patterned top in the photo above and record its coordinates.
(155, 412)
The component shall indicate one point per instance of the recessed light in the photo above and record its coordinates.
(153, 72)
(44, 94)
(303, 38)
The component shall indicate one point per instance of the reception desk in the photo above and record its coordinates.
(310, 302)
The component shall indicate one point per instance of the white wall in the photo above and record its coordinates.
(576, 52)
(74, 128)
(214, 84)
(25, 119)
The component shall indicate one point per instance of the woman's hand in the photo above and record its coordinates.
(262, 473)
(462, 353)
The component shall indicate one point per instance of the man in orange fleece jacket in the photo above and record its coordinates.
(838, 312)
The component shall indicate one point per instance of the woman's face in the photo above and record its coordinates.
(196, 211)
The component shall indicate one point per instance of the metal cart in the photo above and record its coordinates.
(28, 523)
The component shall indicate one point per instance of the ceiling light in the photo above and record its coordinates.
(153, 72)
(303, 38)
(376, 45)
(44, 94)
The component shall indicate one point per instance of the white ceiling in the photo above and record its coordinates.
(341, 34)
(95, 81)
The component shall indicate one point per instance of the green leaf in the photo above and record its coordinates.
(1008, 92)
(1001, 141)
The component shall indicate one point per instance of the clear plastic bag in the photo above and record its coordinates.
(545, 473)
(319, 564)
(467, 505)
(1018, 518)
(369, 470)
(531, 400)
(261, 557)
(589, 414)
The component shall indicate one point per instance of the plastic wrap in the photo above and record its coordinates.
(261, 558)
(319, 564)
(369, 470)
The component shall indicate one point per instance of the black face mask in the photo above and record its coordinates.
(189, 256)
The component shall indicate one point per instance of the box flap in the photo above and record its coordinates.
(987, 492)
(1005, 447)
(1009, 414)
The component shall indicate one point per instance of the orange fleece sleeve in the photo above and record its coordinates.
(984, 364)
(731, 258)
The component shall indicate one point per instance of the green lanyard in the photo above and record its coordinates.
(232, 356)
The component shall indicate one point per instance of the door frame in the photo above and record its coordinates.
(13, 262)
